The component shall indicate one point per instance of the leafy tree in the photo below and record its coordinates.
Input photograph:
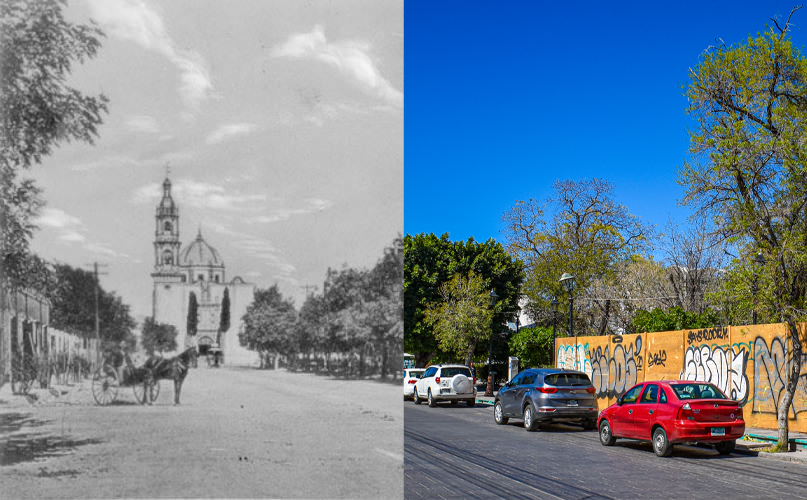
(269, 324)
(588, 236)
(158, 337)
(430, 261)
(73, 306)
(39, 112)
(746, 170)
(224, 320)
(462, 318)
(533, 346)
(193, 315)
(675, 318)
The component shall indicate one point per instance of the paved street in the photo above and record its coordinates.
(459, 452)
(237, 433)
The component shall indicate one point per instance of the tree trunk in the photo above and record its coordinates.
(792, 382)
(277, 361)
(469, 356)
(422, 358)
(605, 316)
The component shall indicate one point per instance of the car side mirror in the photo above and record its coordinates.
(619, 401)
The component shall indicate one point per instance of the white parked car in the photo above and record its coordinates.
(410, 376)
(446, 383)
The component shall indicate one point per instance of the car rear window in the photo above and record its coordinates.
(697, 391)
(567, 379)
(415, 374)
(451, 372)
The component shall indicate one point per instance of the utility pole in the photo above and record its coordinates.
(95, 266)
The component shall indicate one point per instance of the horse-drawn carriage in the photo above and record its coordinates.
(107, 380)
(144, 380)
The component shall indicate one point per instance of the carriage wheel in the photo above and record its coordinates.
(105, 386)
(148, 386)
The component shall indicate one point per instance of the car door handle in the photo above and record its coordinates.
(630, 412)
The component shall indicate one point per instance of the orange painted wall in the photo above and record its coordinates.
(747, 362)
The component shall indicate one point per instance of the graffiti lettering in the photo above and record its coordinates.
(613, 374)
(711, 365)
(656, 359)
(771, 367)
(720, 333)
(567, 355)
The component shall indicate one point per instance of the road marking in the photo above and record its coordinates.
(390, 454)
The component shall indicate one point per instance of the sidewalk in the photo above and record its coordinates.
(798, 440)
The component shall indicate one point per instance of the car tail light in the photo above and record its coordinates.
(545, 409)
(474, 380)
(686, 412)
(437, 379)
(591, 390)
(547, 390)
(413, 381)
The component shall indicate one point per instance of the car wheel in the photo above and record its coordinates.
(590, 424)
(498, 414)
(606, 436)
(432, 402)
(725, 447)
(529, 419)
(661, 445)
(470, 402)
(416, 397)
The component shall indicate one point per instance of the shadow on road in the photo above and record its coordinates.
(28, 446)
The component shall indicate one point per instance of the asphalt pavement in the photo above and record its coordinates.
(751, 443)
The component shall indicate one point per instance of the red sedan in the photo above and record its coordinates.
(673, 412)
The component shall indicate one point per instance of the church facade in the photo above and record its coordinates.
(198, 270)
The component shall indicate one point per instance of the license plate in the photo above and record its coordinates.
(571, 402)
(718, 431)
(445, 391)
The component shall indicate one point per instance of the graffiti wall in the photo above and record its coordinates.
(748, 363)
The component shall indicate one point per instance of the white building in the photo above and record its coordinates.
(196, 269)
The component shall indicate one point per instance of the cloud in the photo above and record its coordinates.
(71, 229)
(228, 131)
(201, 195)
(312, 205)
(142, 123)
(350, 57)
(135, 21)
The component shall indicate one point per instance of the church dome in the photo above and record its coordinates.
(199, 253)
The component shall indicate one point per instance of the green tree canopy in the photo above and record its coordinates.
(675, 318)
(158, 337)
(269, 323)
(430, 261)
(746, 169)
(533, 347)
(39, 112)
(463, 315)
(73, 306)
(588, 236)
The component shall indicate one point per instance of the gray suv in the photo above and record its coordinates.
(547, 395)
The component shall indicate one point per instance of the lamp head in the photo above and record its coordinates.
(554, 304)
(567, 280)
(759, 260)
(493, 298)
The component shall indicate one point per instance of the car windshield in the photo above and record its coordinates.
(451, 372)
(567, 379)
(697, 391)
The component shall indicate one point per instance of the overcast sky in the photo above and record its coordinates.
(282, 125)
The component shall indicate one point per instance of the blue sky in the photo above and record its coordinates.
(503, 98)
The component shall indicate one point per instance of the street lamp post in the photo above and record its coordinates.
(554, 305)
(759, 260)
(567, 280)
(489, 388)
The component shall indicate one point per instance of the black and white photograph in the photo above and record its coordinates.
(201, 285)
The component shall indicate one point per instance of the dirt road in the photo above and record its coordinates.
(238, 433)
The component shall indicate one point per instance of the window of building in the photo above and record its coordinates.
(168, 258)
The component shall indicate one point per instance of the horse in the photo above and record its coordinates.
(175, 369)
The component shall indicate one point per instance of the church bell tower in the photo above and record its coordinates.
(166, 237)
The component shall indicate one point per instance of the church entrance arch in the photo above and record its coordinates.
(204, 344)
